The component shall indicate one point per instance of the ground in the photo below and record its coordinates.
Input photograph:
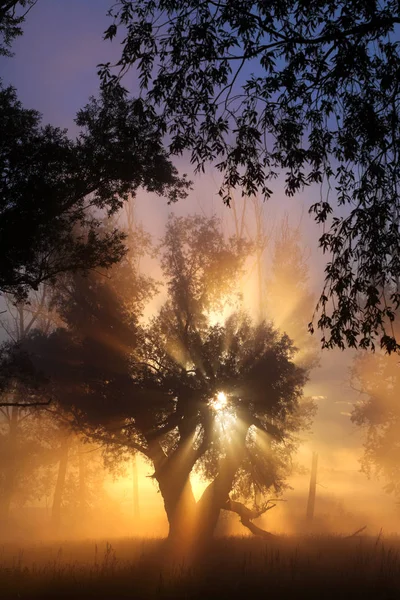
(288, 567)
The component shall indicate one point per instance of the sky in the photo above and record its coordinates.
(54, 71)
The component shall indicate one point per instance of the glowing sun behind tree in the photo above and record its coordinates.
(220, 402)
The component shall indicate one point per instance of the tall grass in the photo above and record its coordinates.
(246, 568)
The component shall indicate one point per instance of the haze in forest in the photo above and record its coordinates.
(105, 495)
(58, 486)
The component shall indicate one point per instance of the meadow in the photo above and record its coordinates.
(322, 567)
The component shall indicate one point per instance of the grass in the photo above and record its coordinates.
(303, 567)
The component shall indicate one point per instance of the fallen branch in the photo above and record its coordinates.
(241, 510)
(346, 537)
(247, 515)
(257, 530)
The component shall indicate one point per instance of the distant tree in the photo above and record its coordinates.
(12, 16)
(54, 192)
(309, 91)
(41, 457)
(15, 365)
(155, 389)
(288, 294)
(249, 219)
(77, 483)
(377, 378)
(28, 456)
(27, 435)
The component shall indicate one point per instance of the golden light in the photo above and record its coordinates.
(225, 414)
(220, 402)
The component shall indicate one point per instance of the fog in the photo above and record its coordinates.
(96, 492)
(107, 491)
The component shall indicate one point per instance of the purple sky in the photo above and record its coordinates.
(54, 67)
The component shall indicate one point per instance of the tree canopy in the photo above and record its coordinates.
(300, 90)
(12, 16)
(55, 192)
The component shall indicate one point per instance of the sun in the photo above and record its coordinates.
(224, 413)
(220, 402)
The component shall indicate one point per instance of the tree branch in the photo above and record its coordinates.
(25, 404)
(114, 441)
(246, 516)
(165, 426)
(355, 533)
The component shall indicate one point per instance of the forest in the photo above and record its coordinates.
(199, 298)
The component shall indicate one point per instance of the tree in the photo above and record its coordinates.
(288, 292)
(306, 92)
(224, 399)
(26, 434)
(376, 377)
(12, 16)
(78, 489)
(55, 192)
(28, 450)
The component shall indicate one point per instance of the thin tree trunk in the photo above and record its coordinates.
(313, 486)
(60, 484)
(10, 471)
(82, 480)
(135, 481)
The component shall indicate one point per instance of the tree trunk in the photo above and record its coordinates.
(135, 482)
(179, 503)
(212, 501)
(192, 525)
(312, 490)
(10, 468)
(173, 477)
(60, 484)
(82, 480)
